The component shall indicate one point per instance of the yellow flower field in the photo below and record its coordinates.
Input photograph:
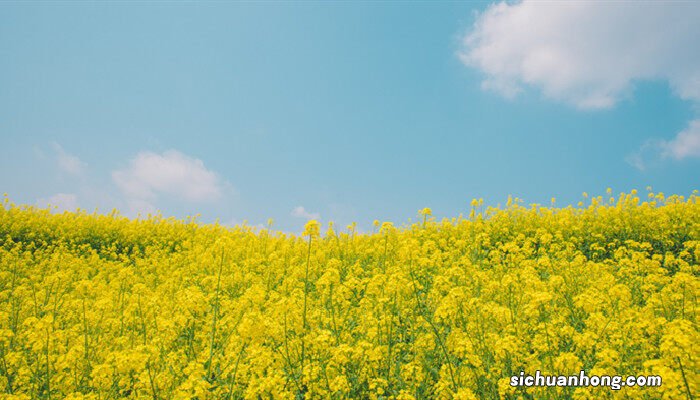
(101, 306)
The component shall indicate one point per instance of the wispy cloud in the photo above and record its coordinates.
(60, 201)
(648, 155)
(301, 212)
(588, 54)
(151, 175)
(68, 163)
(686, 144)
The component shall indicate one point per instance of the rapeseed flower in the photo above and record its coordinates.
(102, 307)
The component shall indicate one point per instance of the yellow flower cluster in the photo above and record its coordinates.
(101, 306)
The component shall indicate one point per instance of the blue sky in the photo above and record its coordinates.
(343, 111)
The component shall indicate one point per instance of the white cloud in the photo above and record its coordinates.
(586, 53)
(301, 212)
(60, 201)
(68, 162)
(685, 144)
(648, 155)
(139, 206)
(171, 173)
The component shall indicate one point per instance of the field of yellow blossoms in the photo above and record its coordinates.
(101, 306)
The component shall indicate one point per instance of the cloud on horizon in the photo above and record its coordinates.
(60, 202)
(151, 175)
(301, 212)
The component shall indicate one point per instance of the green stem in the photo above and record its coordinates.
(685, 381)
(304, 321)
(215, 317)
